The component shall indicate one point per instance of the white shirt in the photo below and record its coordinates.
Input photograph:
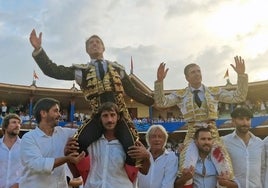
(162, 172)
(209, 179)
(107, 160)
(201, 93)
(10, 164)
(266, 159)
(38, 153)
(248, 161)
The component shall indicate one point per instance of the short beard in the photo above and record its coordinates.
(12, 133)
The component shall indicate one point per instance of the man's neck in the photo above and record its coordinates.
(244, 136)
(203, 156)
(97, 57)
(48, 130)
(9, 140)
(109, 135)
(156, 153)
(196, 86)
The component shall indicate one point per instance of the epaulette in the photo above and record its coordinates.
(80, 66)
(116, 65)
(214, 90)
(181, 92)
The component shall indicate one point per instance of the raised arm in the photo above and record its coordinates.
(47, 66)
(239, 95)
(161, 100)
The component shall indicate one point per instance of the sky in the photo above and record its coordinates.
(177, 32)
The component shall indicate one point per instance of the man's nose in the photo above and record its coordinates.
(109, 118)
(246, 122)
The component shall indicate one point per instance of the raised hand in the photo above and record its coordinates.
(36, 41)
(161, 72)
(239, 65)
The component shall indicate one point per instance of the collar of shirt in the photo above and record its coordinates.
(2, 139)
(208, 158)
(104, 63)
(93, 61)
(234, 135)
(41, 133)
(201, 92)
(116, 141)
(201, 89)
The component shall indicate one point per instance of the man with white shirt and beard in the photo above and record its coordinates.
(42, 149)
(246, 151)
(10, 164)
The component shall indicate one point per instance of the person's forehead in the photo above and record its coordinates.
(95, 38)
(108, 111)
(242, 117)
(14, 120)
(195, 67)
(204, 134)
(157, 132)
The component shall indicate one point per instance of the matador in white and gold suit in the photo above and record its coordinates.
(204, 114)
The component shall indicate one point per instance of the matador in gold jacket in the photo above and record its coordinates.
(101, 81)
(203, 114)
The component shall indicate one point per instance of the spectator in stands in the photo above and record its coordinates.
(164, 163)
(266, 162)
(101, 81)
(199, 106)
(42, 149)
(4, 109)
(204, 174)
(246, 150)
(10, 165)
(107, 157)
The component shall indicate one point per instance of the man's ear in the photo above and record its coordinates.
(43, 113)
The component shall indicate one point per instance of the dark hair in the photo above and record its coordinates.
(94, 36)
(108, 106)
(202, 129)
(6, 119)
(43, 104)
(241, 112)
(187, 67)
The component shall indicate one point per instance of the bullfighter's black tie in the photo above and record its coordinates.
(196, 98)
(101, 69)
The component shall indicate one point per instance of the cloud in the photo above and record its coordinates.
(177, 32)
